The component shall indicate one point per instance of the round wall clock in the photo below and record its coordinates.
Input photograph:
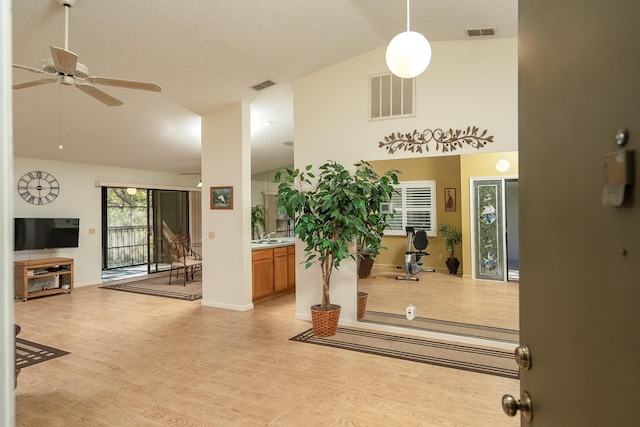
(38, 187)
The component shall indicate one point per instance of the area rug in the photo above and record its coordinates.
(159, 287)
(444, 326)
(29, 353)
(458, 356)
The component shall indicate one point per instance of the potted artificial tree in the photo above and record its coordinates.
(330, 213)
(452, 236)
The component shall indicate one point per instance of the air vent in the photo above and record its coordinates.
(390, 97)
(265, 84)
(479, 32)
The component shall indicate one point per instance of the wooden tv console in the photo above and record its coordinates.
(38, 277)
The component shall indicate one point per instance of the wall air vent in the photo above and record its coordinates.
(391, 97)
(265, 84)
(479, 32)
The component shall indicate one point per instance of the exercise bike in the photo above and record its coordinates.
(413, 260)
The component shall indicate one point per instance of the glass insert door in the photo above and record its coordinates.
(169, 216)
(125, 230)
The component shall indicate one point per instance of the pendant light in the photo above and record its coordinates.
(502, 165)
(408, 53)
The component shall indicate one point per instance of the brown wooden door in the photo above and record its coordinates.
(579, 82)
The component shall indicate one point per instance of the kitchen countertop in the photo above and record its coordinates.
(284, 241)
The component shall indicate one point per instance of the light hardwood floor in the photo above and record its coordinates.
(148, 361)
(444, 297)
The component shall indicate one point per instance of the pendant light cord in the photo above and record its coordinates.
(408, 15)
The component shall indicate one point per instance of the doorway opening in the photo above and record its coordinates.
(132, 221)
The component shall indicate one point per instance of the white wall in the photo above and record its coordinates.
(226, 246)
(467, 83)
(80, 198)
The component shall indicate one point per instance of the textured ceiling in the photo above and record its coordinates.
(204, 54)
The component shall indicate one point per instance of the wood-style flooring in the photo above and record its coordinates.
(444, 297)
(141, 360)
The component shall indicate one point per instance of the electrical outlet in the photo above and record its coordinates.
(411, 312)
(92, 231)
(212, 235)
(440, 256)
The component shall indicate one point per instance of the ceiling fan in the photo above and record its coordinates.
(63, 67)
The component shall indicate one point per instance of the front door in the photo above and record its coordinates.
(579, 83)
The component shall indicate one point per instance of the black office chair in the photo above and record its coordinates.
(413, 260)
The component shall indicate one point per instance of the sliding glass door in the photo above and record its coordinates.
(133, 225)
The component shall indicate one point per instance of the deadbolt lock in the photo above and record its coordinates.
(523, 356)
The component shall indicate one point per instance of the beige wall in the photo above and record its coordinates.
(446, 172)
(330, 114)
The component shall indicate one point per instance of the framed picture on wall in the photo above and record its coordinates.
(221, 197)
(449, 199)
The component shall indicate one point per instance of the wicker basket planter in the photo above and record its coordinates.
(325, 321)
(362, 304)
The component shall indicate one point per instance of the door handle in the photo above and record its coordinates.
(511, 406)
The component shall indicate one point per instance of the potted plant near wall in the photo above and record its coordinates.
(369, 243)
(330, 214)
(452, 236)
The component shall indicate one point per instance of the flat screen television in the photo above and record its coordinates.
(46, 233)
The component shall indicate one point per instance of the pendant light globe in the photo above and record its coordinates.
(408, 54)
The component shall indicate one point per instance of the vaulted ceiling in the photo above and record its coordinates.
(204, 54)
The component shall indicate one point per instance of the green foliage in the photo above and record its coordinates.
(451, 235)
(124, 209)
(334, 211)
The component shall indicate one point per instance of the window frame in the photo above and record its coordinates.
(402, 210)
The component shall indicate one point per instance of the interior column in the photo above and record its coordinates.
(226, 232)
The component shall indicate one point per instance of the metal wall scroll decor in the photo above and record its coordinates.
(449, 140)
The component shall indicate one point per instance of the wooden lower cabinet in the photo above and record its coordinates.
(272, 271)
(291, 267)
(280, 269)
(262, 272)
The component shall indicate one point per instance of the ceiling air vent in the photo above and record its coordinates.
(478, 32)
(265, 84)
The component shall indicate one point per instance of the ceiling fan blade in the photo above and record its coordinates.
(34, 83)
(129, 84)
(24, 67)
(98, 94)
(64, 60)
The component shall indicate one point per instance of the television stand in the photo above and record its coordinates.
(39, 277)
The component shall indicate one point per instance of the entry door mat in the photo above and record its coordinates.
(191, 292)
(457, 356)
(29, 353)
(444, 326)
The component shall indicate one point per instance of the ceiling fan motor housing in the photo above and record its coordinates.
(82, 71)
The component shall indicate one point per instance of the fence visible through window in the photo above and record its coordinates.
(128, 245)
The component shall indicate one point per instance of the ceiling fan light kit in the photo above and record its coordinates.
(63, 67)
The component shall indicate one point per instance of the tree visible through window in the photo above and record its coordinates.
(127, 228)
